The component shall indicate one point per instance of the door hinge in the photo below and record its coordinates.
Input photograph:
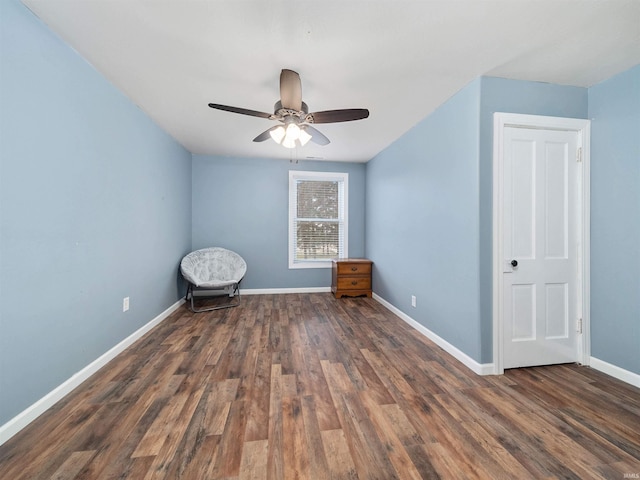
(579, 325)
(579, 154)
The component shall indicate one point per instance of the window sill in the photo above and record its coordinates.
(299, 265)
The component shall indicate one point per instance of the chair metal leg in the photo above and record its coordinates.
(236, 288)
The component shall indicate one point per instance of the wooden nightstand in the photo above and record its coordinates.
(351, 277)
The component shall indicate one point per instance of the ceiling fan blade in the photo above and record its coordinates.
(290, 90)
(266, 135)
(334, 116)
(242, 111)
(316, 136)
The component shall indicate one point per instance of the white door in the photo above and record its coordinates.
(540, 223)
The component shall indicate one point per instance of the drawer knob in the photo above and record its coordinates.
(354, 269)
(355, 282)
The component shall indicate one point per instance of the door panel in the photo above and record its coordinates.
(523, 312)
(557, 310)
(556, 201)
(523, 214)
(540, 235)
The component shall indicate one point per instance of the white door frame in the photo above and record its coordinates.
(583, 130)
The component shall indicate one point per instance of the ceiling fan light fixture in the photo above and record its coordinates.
(294, 115)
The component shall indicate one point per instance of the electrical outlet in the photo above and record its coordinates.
(125, 304)
(413, 301)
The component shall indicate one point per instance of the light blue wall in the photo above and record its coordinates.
(422, 221)
(614, 108)
(95, 205)
(510, 96)
(429, 208)
(243, 204)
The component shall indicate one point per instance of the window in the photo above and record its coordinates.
(317, 218)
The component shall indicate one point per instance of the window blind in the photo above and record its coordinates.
(317, 215)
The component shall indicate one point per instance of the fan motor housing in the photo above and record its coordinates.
(281, 113)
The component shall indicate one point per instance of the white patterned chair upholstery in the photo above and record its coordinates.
(213, 268)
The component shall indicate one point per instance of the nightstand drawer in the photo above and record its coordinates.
(354, 283)
(354, 268)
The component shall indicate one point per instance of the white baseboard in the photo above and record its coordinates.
(277, 291)
(28, 415)
(615, 371)
(478, 368)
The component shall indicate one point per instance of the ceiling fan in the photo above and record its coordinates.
(294, 117)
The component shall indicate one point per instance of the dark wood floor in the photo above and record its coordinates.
(309, 387)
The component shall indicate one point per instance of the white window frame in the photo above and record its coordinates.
(294, 176)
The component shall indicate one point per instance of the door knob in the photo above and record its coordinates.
(514, 263)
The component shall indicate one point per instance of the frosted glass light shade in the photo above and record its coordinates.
(277, 134)
(304, 137)
(288, 142)
(293, 131)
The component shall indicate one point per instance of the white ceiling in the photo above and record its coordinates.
(400, 59)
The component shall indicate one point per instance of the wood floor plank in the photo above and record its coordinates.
(295, 448)
(275, 457)
(563, 419)
(197, 459)
(86, 436)
(531, 434)
(157, 433)
(12, 452)
(258, 400)
(626, 469)
(326, 414)
(405, 397)
(366, 449)
(466, 451)
(339, 460)
(129, 468)
(72, 465)
(475, 426)
(401, 425)
(318, 466)
(228, 456)
(114, 456)
(186, 451)
(421, 459)
(254, 460)
(398, 455)
(306, 386)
